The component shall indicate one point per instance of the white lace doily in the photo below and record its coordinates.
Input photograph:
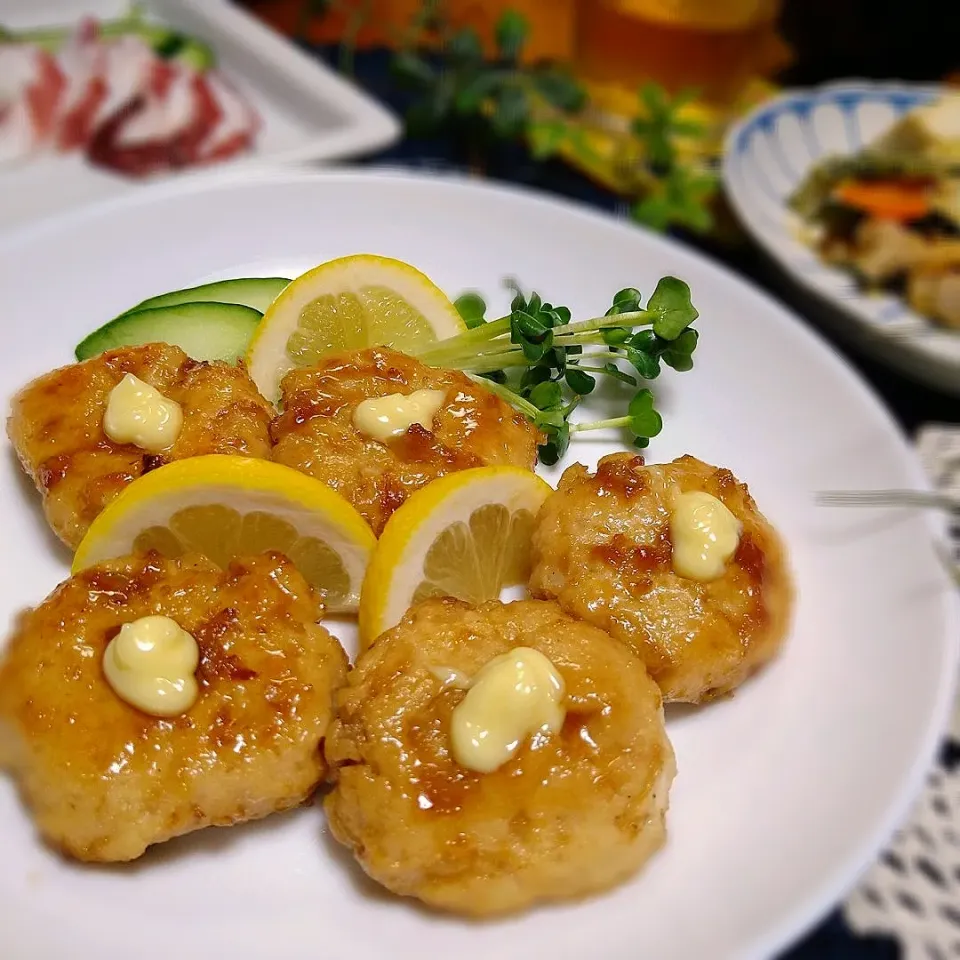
(913, 892)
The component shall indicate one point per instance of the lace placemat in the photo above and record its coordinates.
(913, 892)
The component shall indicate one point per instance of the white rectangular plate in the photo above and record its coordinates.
(309, 113)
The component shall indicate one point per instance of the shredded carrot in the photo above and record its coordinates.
(886, 199)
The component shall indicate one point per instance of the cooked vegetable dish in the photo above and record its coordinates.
(891, 214)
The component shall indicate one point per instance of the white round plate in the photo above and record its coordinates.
(771, 151)
(784, 792)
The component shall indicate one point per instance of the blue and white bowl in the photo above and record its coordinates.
(771, 151)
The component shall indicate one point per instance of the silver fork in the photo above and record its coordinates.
(899, 498)
(889, 498)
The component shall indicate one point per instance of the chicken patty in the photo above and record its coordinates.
(602, 548)
(572, 813)
(103, 780)
(56, 426)
(315, 432)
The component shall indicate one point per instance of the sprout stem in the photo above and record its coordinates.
(599, 424)
(505, 393)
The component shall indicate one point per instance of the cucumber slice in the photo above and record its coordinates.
(204, 331)
(256, 292)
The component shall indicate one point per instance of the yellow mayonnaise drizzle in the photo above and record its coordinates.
(151, 664)
(705, 536)
(514, 696)
(140, 414)
(383, 418)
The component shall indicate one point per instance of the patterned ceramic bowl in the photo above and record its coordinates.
(770, 152)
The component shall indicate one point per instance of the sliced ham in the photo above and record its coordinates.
(31, 85)
(238, 125)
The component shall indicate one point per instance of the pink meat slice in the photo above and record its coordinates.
(83, 62)
(162, 127)
(170, 105)
(130, 67)
(31, 85)
(238, 125)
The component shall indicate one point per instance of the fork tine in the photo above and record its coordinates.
(891, 498)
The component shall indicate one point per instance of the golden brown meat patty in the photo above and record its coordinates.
(56, 426)
(315, 433)
(602, 549)
(104, 780)
(571, 814)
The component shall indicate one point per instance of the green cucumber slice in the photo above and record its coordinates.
(204, 331)
(256, 292)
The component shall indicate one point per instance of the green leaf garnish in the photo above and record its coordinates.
(542, 362)
(579, 382)
(644, 419)
(647, 365)
(679, 353)
(626, 300)
(672, 309)
(558, 440)
(615, 336)
(547, 396)
(612, 370)
(472, 309)
(534, 375)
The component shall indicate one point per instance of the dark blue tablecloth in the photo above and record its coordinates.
(910, 403)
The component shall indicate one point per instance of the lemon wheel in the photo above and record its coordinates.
(226, 507)
(466, 535)
(348, 304)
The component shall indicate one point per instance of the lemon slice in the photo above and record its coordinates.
(466, 535)
(225, 507)
(348, 304)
